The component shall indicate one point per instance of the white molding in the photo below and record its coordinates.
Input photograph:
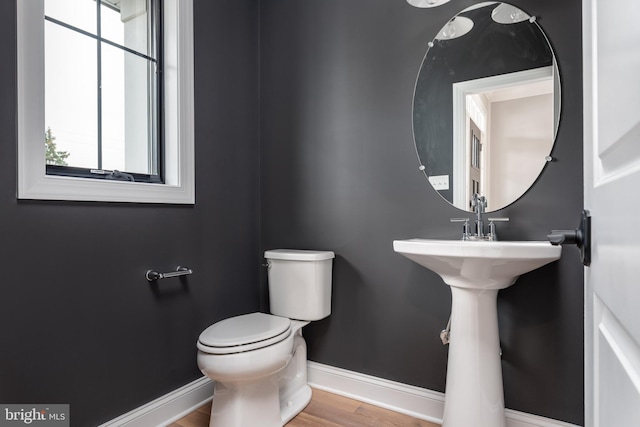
(410, 400)
(168, 408)
(34, 183)
(406, 399)
(403, 398)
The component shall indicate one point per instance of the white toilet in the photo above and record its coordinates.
(258, 361)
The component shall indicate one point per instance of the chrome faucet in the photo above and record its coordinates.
(479, 205)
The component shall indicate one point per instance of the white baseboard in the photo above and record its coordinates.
(410, 400)
(414, 401)
(168, 408)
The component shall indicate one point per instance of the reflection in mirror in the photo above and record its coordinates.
(426, 3)
(486, 106)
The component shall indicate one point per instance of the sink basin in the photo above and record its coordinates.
(478, 264)
(475, 272)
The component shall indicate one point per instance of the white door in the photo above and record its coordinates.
(611, 39)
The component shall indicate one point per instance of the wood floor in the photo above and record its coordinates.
(326, 410)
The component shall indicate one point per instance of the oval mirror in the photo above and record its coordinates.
(486, 106)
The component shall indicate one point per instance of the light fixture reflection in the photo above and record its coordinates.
(426, 3)
(457, 27)
(508, 14)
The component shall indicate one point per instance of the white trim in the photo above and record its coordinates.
(403, 398)
(33, 183)
(168, 408)
(410, 400)
(591, 175)
(406, 399)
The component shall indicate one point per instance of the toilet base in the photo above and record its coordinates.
(295, 393)
(248, 403)
(295, 404)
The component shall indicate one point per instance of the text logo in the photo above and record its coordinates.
(34, 415)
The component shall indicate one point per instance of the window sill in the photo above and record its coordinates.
(81, 189)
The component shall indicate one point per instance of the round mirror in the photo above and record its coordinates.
(486, 106)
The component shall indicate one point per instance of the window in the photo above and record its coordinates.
(102, 61)
(108, 85)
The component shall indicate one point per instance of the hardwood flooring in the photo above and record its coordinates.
(326, 410)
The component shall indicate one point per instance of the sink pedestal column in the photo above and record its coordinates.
(474, 395)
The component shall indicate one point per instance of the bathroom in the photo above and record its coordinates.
(303, 139)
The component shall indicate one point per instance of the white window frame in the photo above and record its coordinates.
(179, 147)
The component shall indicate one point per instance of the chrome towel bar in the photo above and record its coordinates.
(152, 275)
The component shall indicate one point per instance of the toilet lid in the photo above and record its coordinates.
(243, 333)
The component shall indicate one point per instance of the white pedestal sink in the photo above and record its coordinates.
(476, 271)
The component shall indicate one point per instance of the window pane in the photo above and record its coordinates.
(126, 22)
(71, 94)
(127, 110)
(79, 13)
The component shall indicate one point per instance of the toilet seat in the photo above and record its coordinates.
(244, 333)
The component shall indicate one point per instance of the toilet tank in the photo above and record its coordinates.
(300, 283)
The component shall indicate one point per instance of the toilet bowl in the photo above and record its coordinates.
(258, 361)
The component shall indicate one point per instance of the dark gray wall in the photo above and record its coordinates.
(339, 172)
(79, 323)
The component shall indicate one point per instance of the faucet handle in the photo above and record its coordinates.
(492, 227)
(465, 227)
